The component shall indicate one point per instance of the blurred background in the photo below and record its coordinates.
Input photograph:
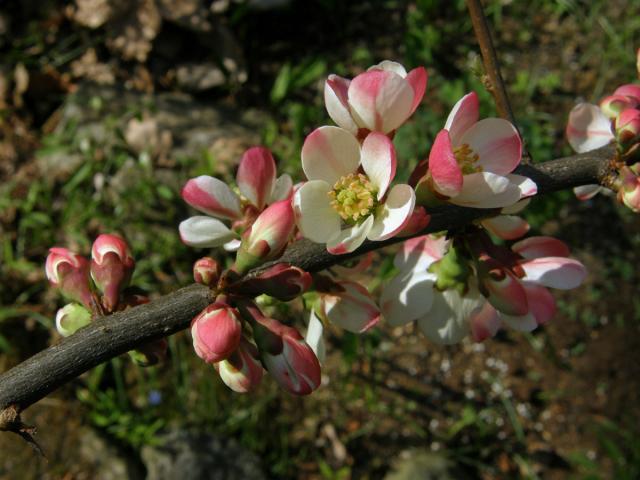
(108, 106)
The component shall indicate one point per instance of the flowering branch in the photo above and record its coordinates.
(110, 336)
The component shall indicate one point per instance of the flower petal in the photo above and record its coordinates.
(314, 337)
(464, 114)
(555, 272)
(390, 66)
(350, 238)
(212, 196)
(448, 320)
(256, 175)
(316, 219)
(204, 232)
(485, 322)
(516, 207)
(380, 100)
(393, 215)
(537, 247)
(541, 303)
(420, 252)
(232, 245)
(417, 78)
(527, 187)
(282, 188)
(496, 142)
(443, 166)
(378, 160)
(588, 128)
(487, 190)
(630, 90)
(407, 297)
(329, 153)
(506, 227)
(522, 323)
(335, 99)
(352, 309)
(585, 192)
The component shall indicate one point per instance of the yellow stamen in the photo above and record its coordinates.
(353, 197)
(467, 159)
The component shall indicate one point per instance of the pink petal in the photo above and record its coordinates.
(417, 78)
(350, 238)
(485, 322)
(213, 197)
(496, 142)
(330, 153)
(257, 175)
(283, 188)
(505, 292)
(394, 214)
(464, 114)
(588, 128)
(407, 297)
(378, 160)
(205, 232)
(506, 227)
(555, 272)
(443, 166)
(316, 218)
(541, 303)
(527, 187)
(418, 221)
(335, 99)
(380, 100)
(420, 252)
(352, 309)
(537, 247)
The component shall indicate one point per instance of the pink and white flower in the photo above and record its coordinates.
(347, 304)
(471, 161)
(449, 303)
(341, 206)
(69, 272)
(378, 100)
(258, 185)
(111, 268)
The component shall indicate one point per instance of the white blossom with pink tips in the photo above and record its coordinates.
(447, 315)
(258, 186)
(378, 100)
(471, 161)
(588, 129)
(341, 205)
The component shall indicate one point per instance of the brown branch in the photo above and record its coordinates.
(491, 65)
(108, 337)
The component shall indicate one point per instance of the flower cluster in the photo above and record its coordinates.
(97, 287)
(616, 119)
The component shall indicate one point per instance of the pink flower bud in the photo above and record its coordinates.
(216, 332)
(257, 175)
(629, 192)
(285, 354)
(614, 105)
(282, 281)
(630, 90)
(71, 318)
(267, 237)
(69, 272)
(111, 267)
(627, 126)
(242, 371)
(206, 271)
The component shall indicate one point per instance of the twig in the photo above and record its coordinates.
(490, 59)
(108, 337)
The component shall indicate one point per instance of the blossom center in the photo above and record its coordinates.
(467, 159)
(353, 197)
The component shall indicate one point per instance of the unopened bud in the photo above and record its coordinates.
(629, 191)
(282, 281)
(502, 288)
(267, 237)
(216, 332)
(70, 318)
(111, 268)
(242, 371)
(69, 272)
(206, 271)
(627, 127)
(614, 105)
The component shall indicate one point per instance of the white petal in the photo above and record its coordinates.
(585, 192)
(464, 114)
(420, 252)
(335, 99)
(487, 190)
(350, 238)
(203, 232)
(390, 66)
(232, 245)
(555, 272)
(378, 160)
(316, 218)
(496, 142)
(329, 153)
(507, 227)
(392, 216)
(524, 323)
(315, 337)
(407, 297)
(281, 189)
(527, 187)
(448, 320)
(588, 128)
